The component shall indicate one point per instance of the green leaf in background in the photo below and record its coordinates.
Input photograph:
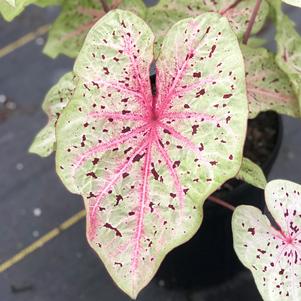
(252, 174)
(293, 2)
(69, 30)
(272, 253)
(53, 105)
(163, 15)
(145, 164)
(9, 9)
(268, 86)
(288, 47)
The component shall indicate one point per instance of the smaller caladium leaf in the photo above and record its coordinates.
(268, 86)
(293, 2)
(69, 30)
(53, 105)
(9, 9)
(252, 174)
(145, 163)
(167, 12)
(272, 255)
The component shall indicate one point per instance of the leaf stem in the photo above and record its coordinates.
(251, 22)
(105, 5)
(221, 202)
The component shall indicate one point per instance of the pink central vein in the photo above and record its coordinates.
(142, 201)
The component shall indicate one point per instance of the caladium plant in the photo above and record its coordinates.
(146, 158)
(271, 250)
(136, 157)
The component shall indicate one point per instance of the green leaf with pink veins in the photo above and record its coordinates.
(9, 9)
(268, 86)
(167, 12)
(145, 164)
(273, 254)
(69, 30)
(293, 2)
(289, 51)
(53, 105)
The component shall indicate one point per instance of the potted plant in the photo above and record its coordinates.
(145, 159)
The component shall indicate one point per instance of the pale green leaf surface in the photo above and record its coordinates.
(273, 256)
(289, 47)
(293, 2)
(53, 105)
(145, 164)
(268, 86)
(163, 15)
(69, 30)
(252, 174)
(9, 11)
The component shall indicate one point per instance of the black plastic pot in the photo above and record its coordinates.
(208, 259)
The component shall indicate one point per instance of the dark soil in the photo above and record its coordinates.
(261, 138)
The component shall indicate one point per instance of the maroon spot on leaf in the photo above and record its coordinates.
(226, 96)
(151, 206)
(125, 174)
(106, 70)
(200, 93)
(252, 231)
(197, 74)
(119, 264)
(118, 199)
(109, 226)
(91, 174)
(155, 174)
(213, 48)
(173, 195)
(194, 129)
(95, 161)
(171, 207)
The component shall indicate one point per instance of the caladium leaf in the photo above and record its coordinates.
(289, 51)
(145, 164)
(9, 9)
(251, 173)
(268, 86)
(272, 255)
(53, 105)
(77, 17)
(293, 2)
(163, 15)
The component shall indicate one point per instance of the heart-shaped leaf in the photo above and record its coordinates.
(167, 12)
(145, 164)
(69, 30)
(273, 256)
(53, 105)
(293, 2)
(9, 9)
(268, 86)
(251, 173)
